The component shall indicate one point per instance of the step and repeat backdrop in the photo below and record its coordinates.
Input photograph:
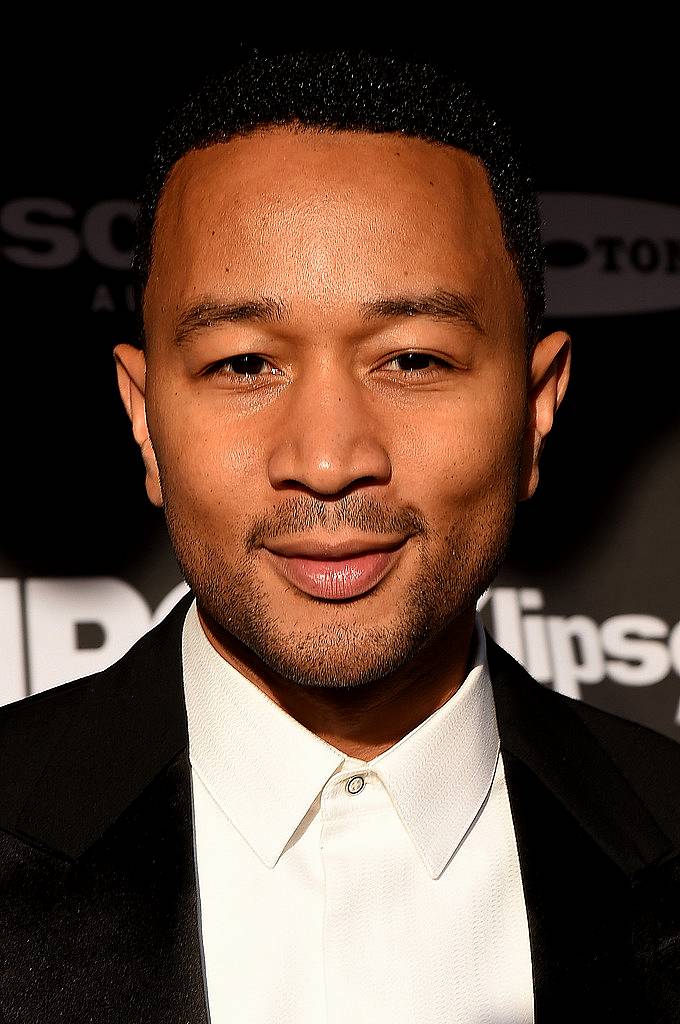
(589, 598)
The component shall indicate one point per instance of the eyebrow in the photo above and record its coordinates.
(440, 305)
(210, 313)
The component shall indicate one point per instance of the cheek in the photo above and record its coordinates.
(205, 467)
(469, 456)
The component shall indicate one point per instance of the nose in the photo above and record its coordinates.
(328, 436)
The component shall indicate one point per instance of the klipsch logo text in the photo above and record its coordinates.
(571, 651)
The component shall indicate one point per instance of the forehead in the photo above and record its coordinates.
(332, 214)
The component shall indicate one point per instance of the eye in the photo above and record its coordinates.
(246, 366)
(413, 358)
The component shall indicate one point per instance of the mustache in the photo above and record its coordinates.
(355, 513)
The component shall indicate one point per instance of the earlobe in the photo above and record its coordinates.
(548, 379)
(131, 374)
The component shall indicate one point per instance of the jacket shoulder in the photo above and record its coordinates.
(132, 704)
(646, 759)
(31, 730)
(649, 760)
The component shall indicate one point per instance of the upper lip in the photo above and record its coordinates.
(319, 548)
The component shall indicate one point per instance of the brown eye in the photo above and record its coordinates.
(413, 363)
(244, 366)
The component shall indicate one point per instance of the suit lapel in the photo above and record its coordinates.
(583, 836)
(577, 904)
(114, 936)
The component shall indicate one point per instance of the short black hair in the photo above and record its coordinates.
(362, 91)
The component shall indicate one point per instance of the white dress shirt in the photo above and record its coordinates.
(339, 890)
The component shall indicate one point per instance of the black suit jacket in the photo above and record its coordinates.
(99, 915)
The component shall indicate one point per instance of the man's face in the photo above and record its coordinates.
(327, 430)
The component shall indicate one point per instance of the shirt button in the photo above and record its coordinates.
(355, 784)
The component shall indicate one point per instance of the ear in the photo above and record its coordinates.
(131, 373)
(548, 379)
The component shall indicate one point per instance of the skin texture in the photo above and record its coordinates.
(326, 431)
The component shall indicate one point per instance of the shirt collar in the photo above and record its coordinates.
(265, 770)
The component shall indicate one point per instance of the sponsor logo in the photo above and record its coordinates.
(49, 234)
(609, 255)
(570, 651)
(55, 630)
